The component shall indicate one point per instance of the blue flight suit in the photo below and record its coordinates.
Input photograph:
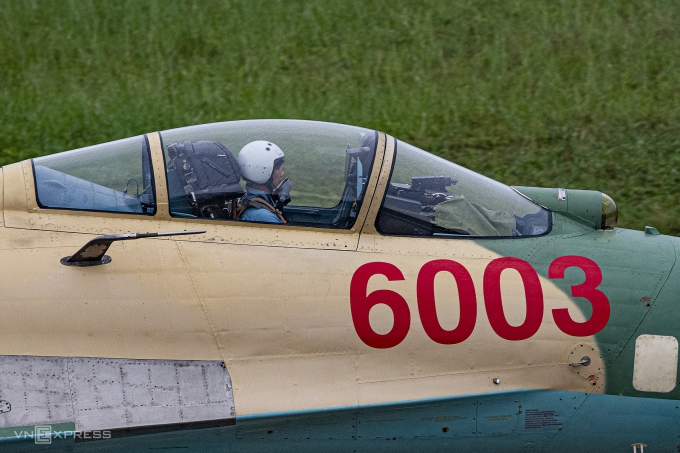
(259, 215)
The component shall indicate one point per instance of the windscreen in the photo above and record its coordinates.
(430, 196)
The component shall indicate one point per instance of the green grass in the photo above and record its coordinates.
(576, 94)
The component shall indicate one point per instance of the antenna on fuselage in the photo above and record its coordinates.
(93, 253)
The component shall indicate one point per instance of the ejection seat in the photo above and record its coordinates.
(203, 180)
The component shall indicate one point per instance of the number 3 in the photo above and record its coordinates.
(588, 290)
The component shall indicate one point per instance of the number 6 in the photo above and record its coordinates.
(361, 305)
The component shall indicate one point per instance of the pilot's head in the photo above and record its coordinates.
(260, 162)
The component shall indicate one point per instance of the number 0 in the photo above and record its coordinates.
(494, 303)
(428, 309)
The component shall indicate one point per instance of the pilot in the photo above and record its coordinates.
(267, 191)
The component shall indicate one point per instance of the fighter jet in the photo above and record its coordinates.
(282, 285)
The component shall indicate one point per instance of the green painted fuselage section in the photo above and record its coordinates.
(639, 278)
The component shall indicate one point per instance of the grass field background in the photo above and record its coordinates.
(575, 94)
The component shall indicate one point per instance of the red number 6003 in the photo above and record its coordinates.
(362, 303)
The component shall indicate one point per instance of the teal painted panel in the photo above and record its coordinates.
(422, 421)
(542, 420)
(336, 424)
(609, 423)
(498, 417)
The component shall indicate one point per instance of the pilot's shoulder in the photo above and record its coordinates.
(253, 214)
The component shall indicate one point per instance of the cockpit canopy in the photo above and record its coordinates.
(328, 166)
(112, 177)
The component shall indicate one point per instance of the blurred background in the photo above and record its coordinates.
(573, 94)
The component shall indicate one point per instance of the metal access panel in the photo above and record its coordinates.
(113, 394)
(656, 363)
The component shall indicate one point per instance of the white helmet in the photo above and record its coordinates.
(258, 159)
